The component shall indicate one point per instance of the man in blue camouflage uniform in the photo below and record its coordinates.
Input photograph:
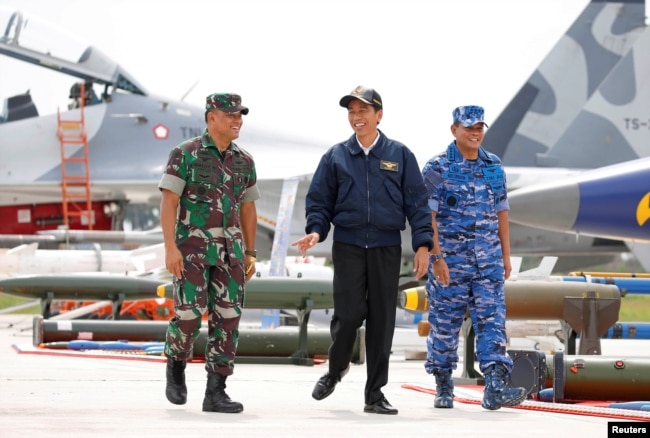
(469, 262)
(209, 220)
(367, 187)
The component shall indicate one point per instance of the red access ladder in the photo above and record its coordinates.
(75, 169)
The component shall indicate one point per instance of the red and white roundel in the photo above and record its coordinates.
(161, 132)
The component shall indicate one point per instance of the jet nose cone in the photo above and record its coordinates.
(552, 207)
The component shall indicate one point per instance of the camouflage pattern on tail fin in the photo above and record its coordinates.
(614, 125)
(555, 93)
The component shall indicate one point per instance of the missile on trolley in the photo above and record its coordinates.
(98, 286)
(300, 293)
(589, 309)
(280, 342)
(526, 299)
(27, 259)
(261, 293)
(575, 377)
(81, 286)
(280, 293)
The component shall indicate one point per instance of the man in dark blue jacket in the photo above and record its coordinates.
(366, 186)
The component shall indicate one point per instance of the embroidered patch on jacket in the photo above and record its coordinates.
(389, 165)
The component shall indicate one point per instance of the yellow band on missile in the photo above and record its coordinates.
(414, 301)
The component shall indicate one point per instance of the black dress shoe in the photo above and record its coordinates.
(381, 406)
(325, 386)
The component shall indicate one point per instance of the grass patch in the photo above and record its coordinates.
(635, 308)
(9, 301)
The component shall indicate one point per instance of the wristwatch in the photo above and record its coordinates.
(251, 252)
(437, 257)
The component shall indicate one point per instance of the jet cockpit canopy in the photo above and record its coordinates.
(39, 42)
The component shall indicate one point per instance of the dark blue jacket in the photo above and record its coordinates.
(368, 198)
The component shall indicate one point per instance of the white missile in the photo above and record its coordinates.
(27, 259)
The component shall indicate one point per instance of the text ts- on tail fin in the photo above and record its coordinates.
(551, 98)
(614, 125)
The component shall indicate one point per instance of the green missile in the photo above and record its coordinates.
(593, 377)
(601, 378)
(526, 299)
(280, 293)
(261, 293)
(299, 293)
(81, 286)
(280, 342)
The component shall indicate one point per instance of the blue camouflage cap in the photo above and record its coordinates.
(469, 115)
(226, 102)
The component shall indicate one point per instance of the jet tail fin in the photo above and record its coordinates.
(613, 124)
(552, 97)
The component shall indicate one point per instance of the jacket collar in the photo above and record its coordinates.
(354, 148)
(453, 154)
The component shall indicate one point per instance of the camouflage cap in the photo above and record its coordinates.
(364, 94)
(469, 115)
(227, 102)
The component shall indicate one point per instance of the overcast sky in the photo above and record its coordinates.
(292, 60)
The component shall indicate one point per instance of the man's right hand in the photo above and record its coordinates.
(304, 243)
(174, 261)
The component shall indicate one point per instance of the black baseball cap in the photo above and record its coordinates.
(364, 94)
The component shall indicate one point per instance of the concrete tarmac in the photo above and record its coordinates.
(60, 396)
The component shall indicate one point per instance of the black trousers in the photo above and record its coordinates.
(365, 288)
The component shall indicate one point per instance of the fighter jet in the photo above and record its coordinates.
(124, 133)
(130, 133)
(611, 136)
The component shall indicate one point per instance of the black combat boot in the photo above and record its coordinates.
(444, 389)
(216, 399)
(176, 391)
(497, 392)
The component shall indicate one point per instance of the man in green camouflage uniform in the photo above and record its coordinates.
(209, 220)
